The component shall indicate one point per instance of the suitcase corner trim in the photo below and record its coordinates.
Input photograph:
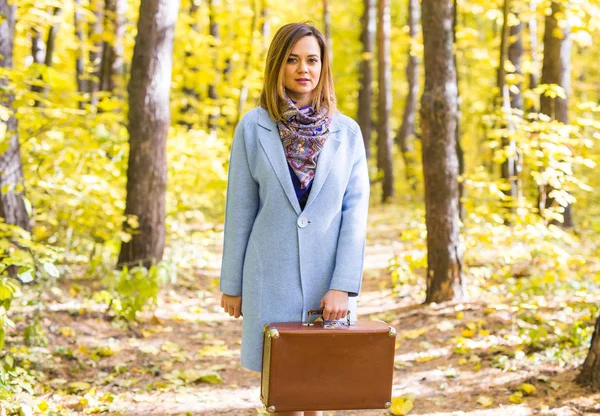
(269, 333)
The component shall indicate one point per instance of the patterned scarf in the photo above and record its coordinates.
(303, 135)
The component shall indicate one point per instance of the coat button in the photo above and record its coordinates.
(302, 222)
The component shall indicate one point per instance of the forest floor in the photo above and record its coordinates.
(451, 359)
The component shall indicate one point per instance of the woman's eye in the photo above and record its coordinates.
(291, 60)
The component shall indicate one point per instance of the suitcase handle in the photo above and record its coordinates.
(320, 312)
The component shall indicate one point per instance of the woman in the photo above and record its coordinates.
(297, 197)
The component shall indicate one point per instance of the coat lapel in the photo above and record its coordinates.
(325, 161)
(271, 143)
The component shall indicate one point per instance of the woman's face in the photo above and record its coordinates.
(302, 70)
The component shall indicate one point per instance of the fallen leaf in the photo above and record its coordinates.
(528, 389)
(516, 397)
(402, 405)
(66, 331)
(445, 326)
(78, 386)
(485, 401)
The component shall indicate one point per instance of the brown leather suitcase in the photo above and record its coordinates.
(327, 366)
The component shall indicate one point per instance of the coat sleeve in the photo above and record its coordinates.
(347, 275)
(240, 212)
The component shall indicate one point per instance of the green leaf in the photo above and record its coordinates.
(26, 276)
(51, 269)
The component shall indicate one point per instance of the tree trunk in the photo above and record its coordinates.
(80, 59)
(532, 25)
(365, 93)
(460, 154)
(556, 69)
(440, 164)
(189, 89)
(95, 35)
(249, 50)
(515, 55)
(589, 375)
(112, 51)
(213, 116)
(327, 29)
(406, 134)
(508, 171)
(265, 26)
(49, 53)
(38, 47)
(149, 120)
(12, 204)
(51, 40)
(384, 136)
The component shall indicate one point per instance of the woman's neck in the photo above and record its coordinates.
(299, 101)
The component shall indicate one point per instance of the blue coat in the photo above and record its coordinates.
(282, 260)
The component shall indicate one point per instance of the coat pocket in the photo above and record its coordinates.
(252, 282)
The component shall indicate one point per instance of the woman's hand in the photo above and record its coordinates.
(334, 304)
(232, 305)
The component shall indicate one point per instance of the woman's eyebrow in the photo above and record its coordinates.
(311, 55)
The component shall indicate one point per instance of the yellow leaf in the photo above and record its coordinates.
(402, 405)
(43, 406)
(414, 333)
(78, 386)
(468, 333)
(66, 331)
(528, 389)
(516, 397)
(485, 401)
(424, 358)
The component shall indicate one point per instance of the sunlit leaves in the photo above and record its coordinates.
(402, 405)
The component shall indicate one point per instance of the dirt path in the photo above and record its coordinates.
(189, 333)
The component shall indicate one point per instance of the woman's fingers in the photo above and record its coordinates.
(333, 313)
(232, 305)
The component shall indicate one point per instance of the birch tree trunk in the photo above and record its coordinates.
(12, 187)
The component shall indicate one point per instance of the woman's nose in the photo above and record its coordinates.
(302, 67)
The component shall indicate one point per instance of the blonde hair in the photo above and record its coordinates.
(273, 93)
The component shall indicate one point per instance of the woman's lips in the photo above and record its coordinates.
(302, 81)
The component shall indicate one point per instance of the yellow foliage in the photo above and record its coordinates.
(402, 405)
